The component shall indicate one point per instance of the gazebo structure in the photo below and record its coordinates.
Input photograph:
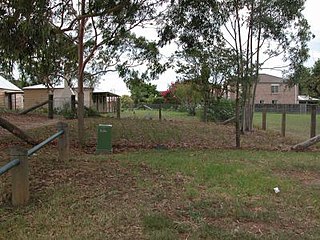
(105, 102)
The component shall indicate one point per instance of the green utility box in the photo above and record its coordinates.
(104, 144)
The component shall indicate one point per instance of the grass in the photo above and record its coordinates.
(195, 187)
(167, 114)
(206, 194)
(297, 124)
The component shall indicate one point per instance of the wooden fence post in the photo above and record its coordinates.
(63, 142)
(160, 112)
(50, 106)
(283, 123)
(118, 107)
(264, 119)
(313, 121)
(20, 177)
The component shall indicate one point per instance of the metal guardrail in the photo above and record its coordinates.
(33, 150)
(9, 165)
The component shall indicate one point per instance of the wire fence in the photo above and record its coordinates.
(288, 108)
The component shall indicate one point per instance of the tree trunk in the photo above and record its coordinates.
(50, 106)
(16, 131)
(81, 129)
(238, 129)
(229, 121)
(306, 144)
(205, 108)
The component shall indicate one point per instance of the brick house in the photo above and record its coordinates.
(275, 90)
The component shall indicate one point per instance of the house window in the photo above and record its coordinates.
(274, 88)
(261, 101)
(274, 101)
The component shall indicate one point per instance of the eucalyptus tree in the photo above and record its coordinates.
(29, 43)
(252, 32)
(208, 68)
(103, 33)
(99, 32)
(259, 31)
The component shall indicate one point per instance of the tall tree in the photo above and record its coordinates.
(100, 31)
(309, 80)
(30, 43)
(251, 31)
(141, 91)
(103, 31)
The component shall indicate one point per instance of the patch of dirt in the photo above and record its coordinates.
(25, 122)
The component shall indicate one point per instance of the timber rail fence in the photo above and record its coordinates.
(19, 163)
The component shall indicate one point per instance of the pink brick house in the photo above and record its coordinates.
(274, 90)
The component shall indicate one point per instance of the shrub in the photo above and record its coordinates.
(219, 110)
(90, 112)
(66, 111)
(126, 102)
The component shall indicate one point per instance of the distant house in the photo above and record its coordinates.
(275, 90)
(103, 101)
(97, 99)
(11, 97)
(39, 93)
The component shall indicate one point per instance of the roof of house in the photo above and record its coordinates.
(8, 86)
(98, 90)
(266, 78)
(61, 86)
(42, 86)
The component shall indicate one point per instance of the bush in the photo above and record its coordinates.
(158, 100)
(65, 111)
(220, 110)
(90, 112)
(126, 102)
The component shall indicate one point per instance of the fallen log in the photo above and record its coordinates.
(306, 144)
(34, 107)
(228, 121)
(16, 131)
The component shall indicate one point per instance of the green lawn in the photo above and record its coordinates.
(297, 124)
(188, 183)
(208, 194)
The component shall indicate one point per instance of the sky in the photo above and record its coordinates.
(113, 83)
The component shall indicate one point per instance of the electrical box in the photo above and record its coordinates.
(104, 144)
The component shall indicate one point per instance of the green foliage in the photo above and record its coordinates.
(30, 41)
(126, 102)
(66, 111)
(142, 92)
(90, 112)
(220, 110)
(158, 100)
(309, 80)
(188, 96)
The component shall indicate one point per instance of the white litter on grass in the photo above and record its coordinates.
(276, 190)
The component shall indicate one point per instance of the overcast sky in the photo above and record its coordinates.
(112, 83)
